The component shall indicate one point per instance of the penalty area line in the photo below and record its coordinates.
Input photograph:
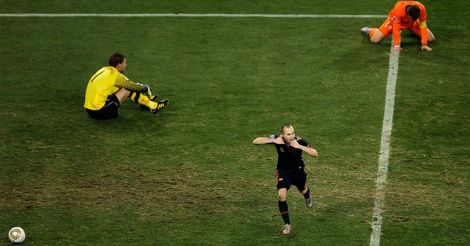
(193, 15)
(382, 169)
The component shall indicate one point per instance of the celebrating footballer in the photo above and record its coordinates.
(290, 168)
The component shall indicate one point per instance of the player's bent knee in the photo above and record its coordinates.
(282, 194)
(282, 198)
(122, 94)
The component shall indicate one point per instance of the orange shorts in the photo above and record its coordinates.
(386, 28)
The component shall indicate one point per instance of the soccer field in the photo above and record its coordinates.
(190, 174)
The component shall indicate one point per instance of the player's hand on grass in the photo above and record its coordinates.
(425, 48)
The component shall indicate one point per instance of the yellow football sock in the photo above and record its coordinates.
(143, 100)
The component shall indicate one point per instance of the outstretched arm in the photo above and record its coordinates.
(265, 140)
(307, 149)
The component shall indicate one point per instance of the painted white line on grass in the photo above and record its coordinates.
(382, 169)
(186, 15)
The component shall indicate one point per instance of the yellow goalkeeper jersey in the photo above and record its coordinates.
(105, 82)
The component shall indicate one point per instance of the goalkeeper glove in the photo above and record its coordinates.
(148, 91)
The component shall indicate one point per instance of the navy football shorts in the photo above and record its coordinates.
(108, 111)
(296, 178)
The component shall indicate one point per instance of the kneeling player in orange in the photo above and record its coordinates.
(410, 15)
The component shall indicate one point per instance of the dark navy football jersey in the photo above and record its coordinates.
(289, 158)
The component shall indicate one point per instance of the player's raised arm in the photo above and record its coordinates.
(270, 140)
(307, 149)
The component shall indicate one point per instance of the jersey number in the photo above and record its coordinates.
(96, 75)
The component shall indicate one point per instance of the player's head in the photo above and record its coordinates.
(287, 133)
(118, 61)
(413, 11)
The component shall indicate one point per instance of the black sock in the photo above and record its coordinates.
(307, 194)
(134, 96)
(283, 208)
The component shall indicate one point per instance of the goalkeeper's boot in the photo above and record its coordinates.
(160, 104)
(309, 202)
(286, 230)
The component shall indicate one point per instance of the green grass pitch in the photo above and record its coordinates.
(190, 175)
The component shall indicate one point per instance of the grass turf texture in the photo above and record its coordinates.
(190, 175)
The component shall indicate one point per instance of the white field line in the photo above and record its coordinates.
(186, 15)
(382, 169)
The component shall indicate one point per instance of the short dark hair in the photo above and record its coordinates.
(116, 59)
(413, 11)
(286, 125)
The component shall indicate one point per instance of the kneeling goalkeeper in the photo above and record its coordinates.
(108, 88)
